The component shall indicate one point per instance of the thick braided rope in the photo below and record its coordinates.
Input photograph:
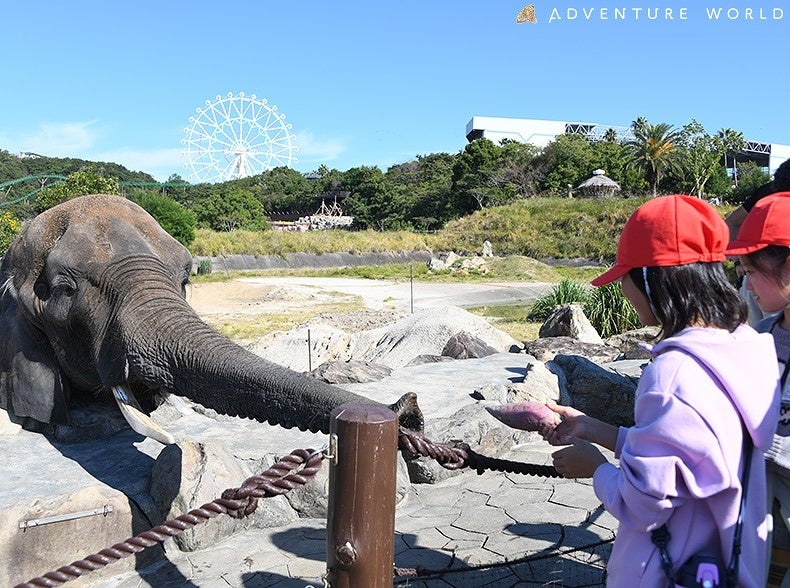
(457, 455)
(236, 502)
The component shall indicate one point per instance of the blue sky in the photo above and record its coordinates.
(377, 83)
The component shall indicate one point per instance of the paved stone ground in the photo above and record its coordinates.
(491, 522)
(489, 530)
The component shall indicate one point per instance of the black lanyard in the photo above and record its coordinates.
(786, 369)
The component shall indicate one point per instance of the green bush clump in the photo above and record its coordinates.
(605, 307)
(610, 312)
(174, 218)
(565, 292)
(9, 227)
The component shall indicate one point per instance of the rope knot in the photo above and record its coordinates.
(240, 503)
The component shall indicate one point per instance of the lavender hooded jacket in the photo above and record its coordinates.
(680, 462)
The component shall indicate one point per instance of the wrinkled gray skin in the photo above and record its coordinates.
(92, 295)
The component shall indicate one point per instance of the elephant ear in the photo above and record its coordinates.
(30, 380)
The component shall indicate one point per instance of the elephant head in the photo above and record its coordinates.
(92, 301)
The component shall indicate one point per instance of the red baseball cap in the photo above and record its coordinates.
(768, 223)
(667, 231)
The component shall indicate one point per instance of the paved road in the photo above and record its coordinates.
(379, 294)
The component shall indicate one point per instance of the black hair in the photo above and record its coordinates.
(692, 294)
(769, 261)
(781, 181)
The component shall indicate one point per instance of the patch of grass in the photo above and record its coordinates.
(540, 228)
(610, 312)
(566, 292)
(251, 327)
(212, 243)
(585, 274)
(511, 319)
(500, 269)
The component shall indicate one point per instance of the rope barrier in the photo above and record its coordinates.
(288, 473)
(457, 455)
(292, 471)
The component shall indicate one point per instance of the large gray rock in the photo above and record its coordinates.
(599, 392)
(190, 474)
(426, 332)
(542, 382)
(569, 320)
(630, 342)
(32, 552)
(464, 345)
(546, 348)
(346, 372)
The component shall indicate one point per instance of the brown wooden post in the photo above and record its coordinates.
(360, 532)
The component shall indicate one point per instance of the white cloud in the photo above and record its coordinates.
(312, 149)
(56, 139)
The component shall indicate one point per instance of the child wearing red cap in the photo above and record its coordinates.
(706, 401)
(763, 244)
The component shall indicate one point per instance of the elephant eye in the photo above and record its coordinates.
(40, 290)
(64, 286)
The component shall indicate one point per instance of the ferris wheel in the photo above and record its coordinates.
(235, 137)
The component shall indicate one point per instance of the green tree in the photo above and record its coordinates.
(699, 157)
(653, 150)
(568, 160)
(369, 202)
(477, 179)
(731, 142)
(610, 155)
(516, 168)
(285, 189)
(11, 167)
(79, 183)
(172, 216)
(229, 208)
(419, 190)
(752, 176)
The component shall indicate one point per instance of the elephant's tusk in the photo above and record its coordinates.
(137, 419)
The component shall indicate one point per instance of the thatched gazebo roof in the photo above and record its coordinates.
(598, 186)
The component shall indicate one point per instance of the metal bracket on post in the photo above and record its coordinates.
(332, 448)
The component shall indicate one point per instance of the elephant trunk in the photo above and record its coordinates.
(167, 346)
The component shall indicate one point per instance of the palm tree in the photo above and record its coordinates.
(654, 149)
(731, 142)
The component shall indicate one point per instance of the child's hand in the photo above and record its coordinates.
(579, 460)
(573, 424)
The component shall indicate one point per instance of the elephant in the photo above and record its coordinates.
(93, 302)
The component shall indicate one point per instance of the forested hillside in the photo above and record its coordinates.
(421, 195)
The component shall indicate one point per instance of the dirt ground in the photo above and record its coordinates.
(246, 309)
(237, 297)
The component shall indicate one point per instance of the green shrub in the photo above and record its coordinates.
(204, 266)
(565, 292)
(174, 218)
(610, 312)
(9, 227)
(605, 307)
(79, 183)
